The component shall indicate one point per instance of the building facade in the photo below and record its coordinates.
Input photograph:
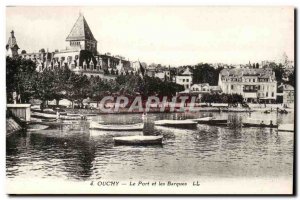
(185, 79)
(80, 55)
(288, 94)
(255, 85)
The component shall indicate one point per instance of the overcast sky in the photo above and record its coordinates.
(166, 35)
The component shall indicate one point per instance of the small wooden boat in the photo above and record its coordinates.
(283, 112)
(260, 125)
(67, 117)
(55, 116)
(36, 127)
(138, 140)
(117, 127)
(73, 114)
(43, 115)
(286, 128)
(210, 120)
(186, 124)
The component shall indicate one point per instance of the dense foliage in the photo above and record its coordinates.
(62, 83)
(204, 73)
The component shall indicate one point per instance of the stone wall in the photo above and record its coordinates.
(12, 126)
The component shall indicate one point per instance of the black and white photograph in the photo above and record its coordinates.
(152, 100)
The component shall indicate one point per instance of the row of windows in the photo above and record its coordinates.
(252, 87)
(247, 80)
(197, 89)
(74, 43)
(184, 80)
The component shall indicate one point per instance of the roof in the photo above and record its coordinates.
(187, 72)
(262, 73)
(288, 87)
(80, 31)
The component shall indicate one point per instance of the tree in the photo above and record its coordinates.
(292, 79)
(20, 78)
(79, 88)
(44, 85)
(279, 71)
(204, 73)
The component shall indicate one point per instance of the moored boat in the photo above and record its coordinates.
(286, 128)
(260, 125)
(138, 140)
(42, 115)
(186, 124)
(117, 127)
(210, 120)
(66, 117)
(36, 127)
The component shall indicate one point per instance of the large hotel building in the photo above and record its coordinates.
(254, 84)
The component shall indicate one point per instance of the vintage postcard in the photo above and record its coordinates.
(150, 100)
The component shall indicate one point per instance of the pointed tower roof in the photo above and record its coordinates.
(80, 30)
(12, 42)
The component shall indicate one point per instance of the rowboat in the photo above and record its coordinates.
(187, 124)
(260, 125)
(117, 127)
(210, 120)
(286, 128)
(36, 127)
(43, 115)
(138, 140)
(55, 116)
(66, 117)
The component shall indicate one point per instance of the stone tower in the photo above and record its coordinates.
(12, 46)
(81, 36)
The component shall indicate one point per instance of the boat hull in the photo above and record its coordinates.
(286, 128)
(138, 140)
(183, 124)
(260, 125)
(213, 121)
(54, 116)
(117, 127)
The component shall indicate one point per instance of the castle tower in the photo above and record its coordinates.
(12, 46)
(81, 36)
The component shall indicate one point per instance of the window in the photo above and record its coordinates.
(272, 94)
(266, 94)
(232, 87)
(253, 80)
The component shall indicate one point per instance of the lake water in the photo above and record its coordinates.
(73, 152)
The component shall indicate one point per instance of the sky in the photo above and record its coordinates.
(167, 35)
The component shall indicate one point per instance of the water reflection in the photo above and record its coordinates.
(72, 151)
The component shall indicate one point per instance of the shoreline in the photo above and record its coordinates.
(185, 110)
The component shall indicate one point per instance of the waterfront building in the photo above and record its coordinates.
(288, 93)
(204, 88)
(255, 84)
(80, 55)
(185, 78)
